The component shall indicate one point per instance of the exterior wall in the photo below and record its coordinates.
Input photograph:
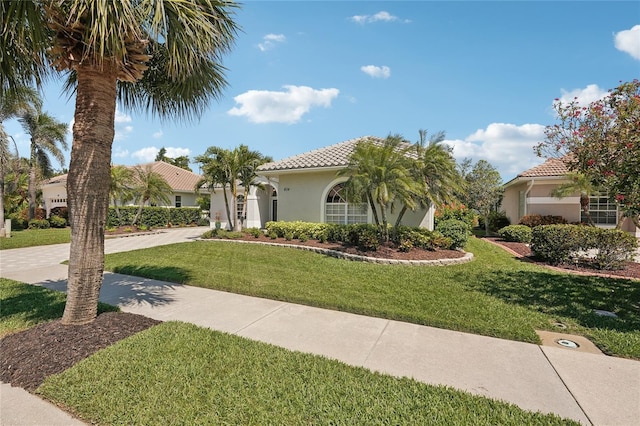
(300, 196)
(188, 199)
(511, 202)
(54, 196)
(571, 212)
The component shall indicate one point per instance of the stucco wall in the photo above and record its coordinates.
(300, 196)
(511, 202)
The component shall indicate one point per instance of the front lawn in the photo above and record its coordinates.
(35, 237)
(495, 295)
(177, 373)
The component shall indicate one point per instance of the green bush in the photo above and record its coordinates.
(516, 233)
(303, 237)
(614, 247)
(39, 224)
(57, 221)
(455, 211)
(556, 244)
(17, 221)
(533, 220)
(63, 212)
(254, 232)
(456, 230)
(154, 217)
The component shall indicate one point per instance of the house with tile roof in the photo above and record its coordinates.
(530, 193)
(306, 188)
(182, 182)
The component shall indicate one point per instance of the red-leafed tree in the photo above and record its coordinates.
(602, 142)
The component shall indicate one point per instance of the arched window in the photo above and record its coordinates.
(338, 210)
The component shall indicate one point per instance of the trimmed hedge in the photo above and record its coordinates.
(516, 233)
(365, 236)
(154, 217)
(558, 244)
(533, 220)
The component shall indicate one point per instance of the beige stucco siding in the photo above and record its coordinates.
(511, 202)
(300, 195)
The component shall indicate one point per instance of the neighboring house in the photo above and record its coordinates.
(182, 182)
(530, 193)
(306, 187)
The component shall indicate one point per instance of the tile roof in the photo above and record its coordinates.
(179, 179)
(331, 156)
(551, 167)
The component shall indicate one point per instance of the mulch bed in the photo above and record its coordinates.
(631, 269)
(30, 356)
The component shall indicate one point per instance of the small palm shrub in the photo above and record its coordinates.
(516, 233)
(456, 230)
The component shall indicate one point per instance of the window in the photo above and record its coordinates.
(239, 205)
(602, 209)
(178, 200)
(338, 210)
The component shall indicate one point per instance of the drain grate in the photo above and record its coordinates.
(565, 343)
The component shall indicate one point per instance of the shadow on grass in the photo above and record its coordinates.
(566, 295)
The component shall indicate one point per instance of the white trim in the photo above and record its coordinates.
(553, 200)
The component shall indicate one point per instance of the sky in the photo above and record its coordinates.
(308, 74)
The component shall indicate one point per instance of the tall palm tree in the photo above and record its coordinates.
(46, 133)
(381, 174)
(162, 56)
(14, 103)
(121, 186)
(577, 182)
(436, 169)
(150, 187)
(217, 171)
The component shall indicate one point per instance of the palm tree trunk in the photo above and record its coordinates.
(88, 188)
(373, 209)
(139, 212)
(226, 204)
(32, 182)
(3, 231)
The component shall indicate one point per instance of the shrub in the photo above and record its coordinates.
(63, 212)
(57, 221)
(254, 232)
(288, 234)
(455, 211)
(533, 220)
(303, 237)
(273, 235)
(614, 247)
(456, 230)
(516, 233)
(39, 224)
(556, 244)
(17, 221)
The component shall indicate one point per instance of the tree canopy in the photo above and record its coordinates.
(602, 141)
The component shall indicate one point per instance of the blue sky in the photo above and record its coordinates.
(308, 74)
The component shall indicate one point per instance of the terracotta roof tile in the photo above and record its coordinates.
(331, 156)
(551, 167)
(179, 179)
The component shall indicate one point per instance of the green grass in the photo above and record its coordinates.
(35, 237)
(180, 374)
(495, 295)
(22, 306)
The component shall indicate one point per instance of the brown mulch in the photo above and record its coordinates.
(30, 356)
(388, 251)
(631, 269)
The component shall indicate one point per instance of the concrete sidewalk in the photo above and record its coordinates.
(592, 389)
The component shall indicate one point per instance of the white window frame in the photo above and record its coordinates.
(603, 210)
(343, 212)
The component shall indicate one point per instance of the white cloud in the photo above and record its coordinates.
(146, 155)
(381, 16)
(376, 72)
(158, 134)
(262, 106)
(270, 40)
(628, 41)
(508, 147)
(584, 96)
(177, 152)
(119, 152)
(122, 128)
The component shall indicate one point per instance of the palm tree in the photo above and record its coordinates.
(380, 173)
(577, 182)
(14, 103)
(46, 132)
(151, 187)
(436, 169)
(162, 56)
(121, 186)
(217, 172)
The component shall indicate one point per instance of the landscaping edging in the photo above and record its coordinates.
(468, 257)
